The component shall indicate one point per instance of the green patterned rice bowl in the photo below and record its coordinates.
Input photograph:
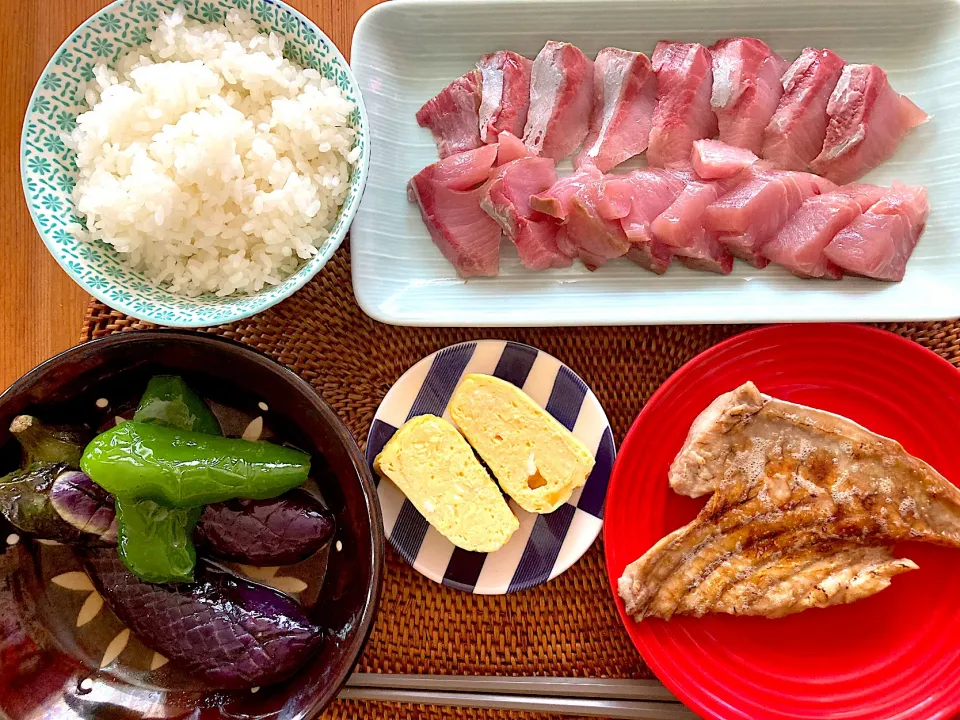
(49, 171)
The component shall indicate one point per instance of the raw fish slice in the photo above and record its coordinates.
(681, 222)
(627, 200)
(555, 202)
(464, 233)
(794, 136)
(749, 215)
(655, 257)
(799, 244)
(706, 256)
(714, 160)
(453, 116)
(683, 113)
(507, 200)
(564, 244)
(561, 97)
(464, 171)
(593, 222)
(649, 192)
(652, 192)
(625, 95)
(746, 89)
(867, 121)
(680, 226)
(510, 147)
(879, 242)
(505, 94)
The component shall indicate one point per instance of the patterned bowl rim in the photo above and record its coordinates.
(348, 211)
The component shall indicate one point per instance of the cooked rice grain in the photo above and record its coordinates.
(209, 161)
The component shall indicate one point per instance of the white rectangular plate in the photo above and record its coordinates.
(406, 51)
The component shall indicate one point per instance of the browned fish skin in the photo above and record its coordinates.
(806, 505)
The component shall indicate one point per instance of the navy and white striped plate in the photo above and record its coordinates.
(545, 545)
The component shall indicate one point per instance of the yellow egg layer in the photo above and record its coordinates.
(537, 461)
(434, 467)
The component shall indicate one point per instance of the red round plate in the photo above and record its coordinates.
(893, 655)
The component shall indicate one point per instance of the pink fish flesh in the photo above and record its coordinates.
(466, 170)
(453, 116)
(879, 242)
(593, 223)
(749, 215)
(625, 95)
(505, 94)
(683, 113)
(507, 200)
(714, 160)
(561, 97)
(555, 201)
(645, 194)
(564, 244)
(867, 121)
(680, 226)
(746, 89)
(798, 245)
(795, 133)
(510, 147)
(449, 201)
(650, 192)
(655, 257)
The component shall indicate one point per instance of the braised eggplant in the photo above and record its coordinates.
(43, 443)
(25, 502)
(225, 631)
(85, 505)
(280, 531)
(47, 453)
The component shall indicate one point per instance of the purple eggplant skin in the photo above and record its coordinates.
(281, 531)
(225, 631)
(85, 505)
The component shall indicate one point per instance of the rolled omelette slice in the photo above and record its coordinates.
(434, 467)
(537, 461)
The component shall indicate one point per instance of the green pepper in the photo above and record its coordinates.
(155, 542)
(169, 401)
(182, 468)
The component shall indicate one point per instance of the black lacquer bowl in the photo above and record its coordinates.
(65, 656)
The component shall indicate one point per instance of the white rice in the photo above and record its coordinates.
(211, 162)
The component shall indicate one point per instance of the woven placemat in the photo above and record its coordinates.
(567, 627)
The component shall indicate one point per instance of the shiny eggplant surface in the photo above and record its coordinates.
(280, 531)
(225, 631)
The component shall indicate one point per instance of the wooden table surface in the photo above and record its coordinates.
(42, 308)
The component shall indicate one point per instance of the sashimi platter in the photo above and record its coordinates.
(705, 117)
(305, 510)
(656, 164)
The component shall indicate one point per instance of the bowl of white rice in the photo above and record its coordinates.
(194, 162)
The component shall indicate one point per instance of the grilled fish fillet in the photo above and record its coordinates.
(805, 507)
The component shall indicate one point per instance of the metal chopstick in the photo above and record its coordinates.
(590, 707)
(650, 690)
